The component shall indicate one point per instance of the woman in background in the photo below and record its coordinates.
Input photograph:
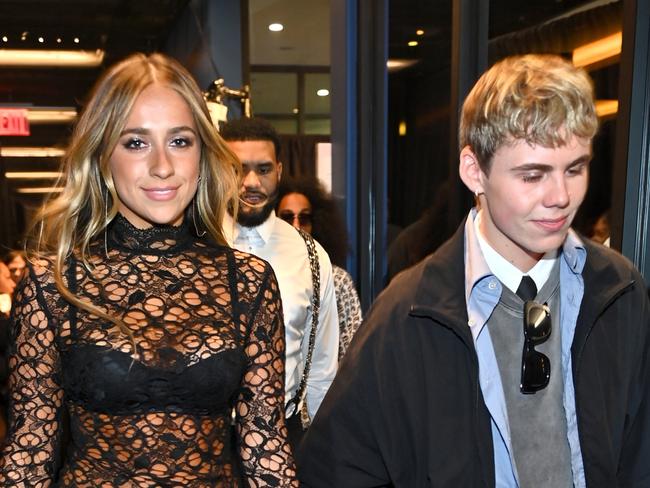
(135, 319)
(303, 203)
(15, 261)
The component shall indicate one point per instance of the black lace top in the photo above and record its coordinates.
(207, 325)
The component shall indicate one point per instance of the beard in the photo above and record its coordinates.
(254, 216)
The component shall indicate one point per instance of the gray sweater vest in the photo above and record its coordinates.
(537, 421)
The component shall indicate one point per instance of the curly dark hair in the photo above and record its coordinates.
(251, 129)
(328, 227)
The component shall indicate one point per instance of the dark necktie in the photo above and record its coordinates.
(527, 289)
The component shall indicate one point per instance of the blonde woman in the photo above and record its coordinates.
(135, 319)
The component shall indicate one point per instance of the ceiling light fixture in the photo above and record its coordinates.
(419, 32)
(41, 40)
(276, 27)
(32, 175)
(51, 115)
(31, 152)
(413, 43)
(323, 92)
(76, 40)
(599, 50)
(32, 57)
(49, 189)
(5, 39)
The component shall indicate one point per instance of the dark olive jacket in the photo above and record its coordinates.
(406, 408)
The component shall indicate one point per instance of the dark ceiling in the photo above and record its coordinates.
(119, 27)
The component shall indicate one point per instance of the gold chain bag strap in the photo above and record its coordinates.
(292, 405)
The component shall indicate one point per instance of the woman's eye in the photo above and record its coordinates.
(181, 142)
(134, 143)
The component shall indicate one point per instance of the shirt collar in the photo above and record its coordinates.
(476, 267)
(574, 252)
(508, 273)
(235, 232)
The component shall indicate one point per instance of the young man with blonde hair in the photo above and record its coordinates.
(517, 354)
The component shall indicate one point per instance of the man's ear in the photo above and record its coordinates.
(470, 171)
(279, 170)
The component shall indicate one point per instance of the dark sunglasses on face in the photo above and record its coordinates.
(535, 366)
(304, 218)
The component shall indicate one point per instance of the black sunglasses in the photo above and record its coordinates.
(535, 366)
(304, 218)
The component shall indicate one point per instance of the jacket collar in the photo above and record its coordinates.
(440, 289)
(603, 284)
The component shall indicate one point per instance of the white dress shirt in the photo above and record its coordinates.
(280, 244)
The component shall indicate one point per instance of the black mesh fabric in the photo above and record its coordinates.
(207, 325)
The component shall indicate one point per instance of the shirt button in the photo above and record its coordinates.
(492, 285)
(470, 322)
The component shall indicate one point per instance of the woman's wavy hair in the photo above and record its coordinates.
(542, 99)
(71, 221)
(328, 227)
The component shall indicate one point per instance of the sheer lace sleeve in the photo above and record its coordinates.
(29, 455)
(264, 451)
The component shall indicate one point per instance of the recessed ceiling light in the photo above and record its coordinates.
(76, 40)
(295, 110)
(41, 40)
(419, 32)
(413, 43)
(58, 40)
(5, 38)
(323, 92)
(276, 27)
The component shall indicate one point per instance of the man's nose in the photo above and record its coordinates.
(558, 193)
(251, 180)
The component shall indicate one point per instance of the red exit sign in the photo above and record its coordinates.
(13, 122)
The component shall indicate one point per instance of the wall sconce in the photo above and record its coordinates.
(597, 51)
(605, 108)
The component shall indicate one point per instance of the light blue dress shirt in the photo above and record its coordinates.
(482, 293)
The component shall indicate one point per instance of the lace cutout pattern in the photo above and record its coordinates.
(207, 326)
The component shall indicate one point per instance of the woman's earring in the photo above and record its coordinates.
(106, 223)
(196, 227)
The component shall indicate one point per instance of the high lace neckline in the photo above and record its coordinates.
(159, 238)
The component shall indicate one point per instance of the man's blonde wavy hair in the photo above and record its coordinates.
(79, 215)
(542, 99)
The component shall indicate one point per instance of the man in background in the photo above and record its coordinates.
(258, 231)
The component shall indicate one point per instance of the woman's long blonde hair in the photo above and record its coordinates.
(69, 222)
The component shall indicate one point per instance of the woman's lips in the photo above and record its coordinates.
(161, 194)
